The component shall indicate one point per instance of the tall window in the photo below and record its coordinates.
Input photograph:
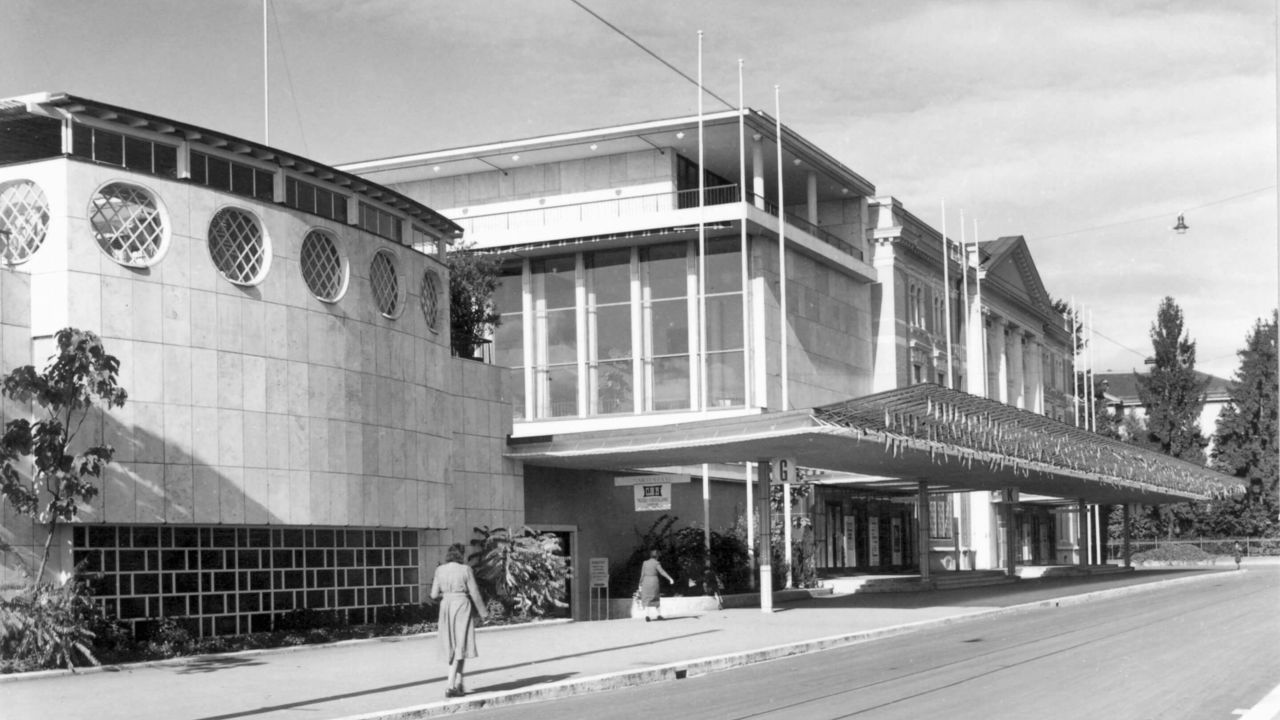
(915, 305)
(508, 338)
(612, 375)
(726, 358)
(665, 273)
(940, 513)
(556, 352)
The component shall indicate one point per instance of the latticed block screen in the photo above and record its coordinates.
(237, 246)
(430, 298)
(127, 224)
(228, 580)
(386, 283)
(24, 220)
(322, 267)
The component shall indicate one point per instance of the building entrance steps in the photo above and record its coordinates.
(938, 580)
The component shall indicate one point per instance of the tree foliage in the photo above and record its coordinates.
(63, 394)
(524, 570)
(1173, 393)
(1248, 430)
(473, 279)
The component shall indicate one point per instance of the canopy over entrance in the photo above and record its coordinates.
(893, 440)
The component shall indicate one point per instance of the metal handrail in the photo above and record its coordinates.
(639, 204)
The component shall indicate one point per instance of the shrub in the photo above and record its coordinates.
(683, 554)
(47, 626)
(523, 570)
(1172, 553)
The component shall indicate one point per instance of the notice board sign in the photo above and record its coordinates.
(599, 572)
(652, 492)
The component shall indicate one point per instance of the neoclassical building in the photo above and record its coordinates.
(297, 434)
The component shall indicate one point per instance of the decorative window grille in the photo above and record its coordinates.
(237, 246)
(322, 268)
(385, 279)
(24, 220)
(430, 298)
(127, 224)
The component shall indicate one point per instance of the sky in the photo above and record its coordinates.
(1085, 126)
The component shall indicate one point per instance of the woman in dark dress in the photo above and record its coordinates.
(649, 572)
(454, 585)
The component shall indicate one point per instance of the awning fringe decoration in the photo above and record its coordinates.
(946, 422)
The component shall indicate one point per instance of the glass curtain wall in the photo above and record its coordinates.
(633, 314)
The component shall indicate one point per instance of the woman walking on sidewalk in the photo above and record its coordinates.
(460, 603)
(649, 572)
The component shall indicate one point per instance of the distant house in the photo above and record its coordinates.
(1121, 393)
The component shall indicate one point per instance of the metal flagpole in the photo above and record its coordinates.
(946, 292)
(266, 82)
(782, 321)
(964, 273)
(747, 388)
(982, 325)
(702, 308)
(785, 403)
(1075, 362)
(1092, 400)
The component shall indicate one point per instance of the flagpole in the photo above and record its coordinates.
(702, 307)
(964, 273)
(266, 82)
(982, 325)
(785, 403)
(946, 292)
(747, 390)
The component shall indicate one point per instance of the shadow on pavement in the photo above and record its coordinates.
(526, 682)
(214, 663)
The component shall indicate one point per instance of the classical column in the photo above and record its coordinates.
(1000, 360)
(1125, 539)
(885, 351)
(1016, 352)
(975, 342)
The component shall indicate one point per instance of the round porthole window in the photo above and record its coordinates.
(430, 299)
(387, 289)
(127, 224)
(324, 271)
(24, 220)
(238, 246)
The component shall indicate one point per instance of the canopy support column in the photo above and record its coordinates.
(922, 529)
(1125, 521)
(1082, 533)
(1010, 534)
(766, 537)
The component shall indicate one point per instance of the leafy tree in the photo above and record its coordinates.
(473, 279)
(1173, 393)
(523, 570)
(58, 478)
(1247, 434)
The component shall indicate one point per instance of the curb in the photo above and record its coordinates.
(707, 665)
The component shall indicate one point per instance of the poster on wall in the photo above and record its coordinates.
(873, 541)
(850, 540)
(895, 539)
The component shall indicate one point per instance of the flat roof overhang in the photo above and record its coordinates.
(949, 439)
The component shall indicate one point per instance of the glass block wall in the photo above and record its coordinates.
(225, 580)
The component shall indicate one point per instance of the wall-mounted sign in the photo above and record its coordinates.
(653, 497)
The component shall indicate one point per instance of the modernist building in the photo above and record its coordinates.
(297, 433)
(649, 332)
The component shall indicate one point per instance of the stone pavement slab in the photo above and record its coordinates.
(403, 677)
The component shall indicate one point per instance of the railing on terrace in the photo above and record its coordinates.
(637, 205)
(1251, 547)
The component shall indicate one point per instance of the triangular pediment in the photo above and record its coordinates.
(1008, 262)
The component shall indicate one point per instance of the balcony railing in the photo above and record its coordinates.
(633, 206)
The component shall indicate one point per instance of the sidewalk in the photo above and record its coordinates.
(403, 677)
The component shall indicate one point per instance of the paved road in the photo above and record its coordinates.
(1200, 651)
